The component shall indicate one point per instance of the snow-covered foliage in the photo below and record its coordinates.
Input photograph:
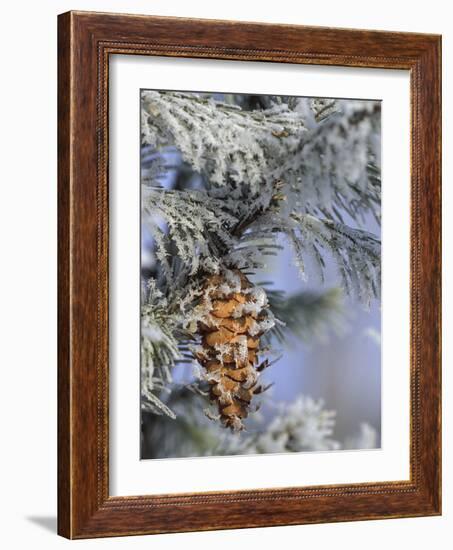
(220, 140)
(335, 167)
(296, 168)
(197, 225)
(303, 425)
(159, 349)
(327, 154)
(356, 252)
(299, 426)
(301, 169)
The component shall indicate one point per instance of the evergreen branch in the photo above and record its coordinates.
(198, 225)
(328, 152)
(152, 404)
(307, 314)
(357, 253)
(220, 140)
(295, 167)
(337, 164)
(159, 349)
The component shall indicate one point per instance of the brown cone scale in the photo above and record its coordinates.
(230, 338)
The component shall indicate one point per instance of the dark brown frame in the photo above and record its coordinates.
(85, 41)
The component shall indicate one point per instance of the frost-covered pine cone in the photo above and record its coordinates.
(235, 316)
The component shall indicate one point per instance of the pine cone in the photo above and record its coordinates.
(234, 317)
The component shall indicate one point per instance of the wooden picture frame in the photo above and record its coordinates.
(85, 42)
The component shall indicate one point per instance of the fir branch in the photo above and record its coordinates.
(337, 164)
(198, 225)
(297, 168)
(220, 140)
(306, 314)
(327, 153)
(356, 253)
(159, 349)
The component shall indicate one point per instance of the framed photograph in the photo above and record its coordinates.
(249, 275)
